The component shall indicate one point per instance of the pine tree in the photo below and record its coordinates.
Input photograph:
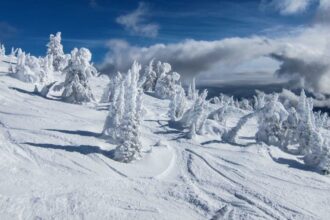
(113, 122)
(172, 108)
(2, 50)
(27, 68)
(270, 121)
(130, 148)
(78, 72)
(149, 77)
(192, 92)
(196, 116)
(109, 90)
(55, 49)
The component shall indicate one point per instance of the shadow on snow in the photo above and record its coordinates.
(82, 149)
(78, 132)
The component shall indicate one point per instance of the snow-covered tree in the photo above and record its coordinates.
(55, 49)
(28, 68)
(270, 120)
(259, 100)
(231, 134)
(321, 119)
(167, 82)
(195, 117)
(192, 92)
(47, 70)
(245, 105)
(149, 77)
(130, 147)
(2, 50)
(109, 91)
(289, 131)
(178, 104)
(78, 72)
(112, 126)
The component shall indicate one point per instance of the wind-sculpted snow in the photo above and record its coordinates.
(55, 165)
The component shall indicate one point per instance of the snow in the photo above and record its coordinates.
(55, 165)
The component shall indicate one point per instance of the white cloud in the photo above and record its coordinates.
(190, 57)
(135, 22)
(300, 56)
(287, 7)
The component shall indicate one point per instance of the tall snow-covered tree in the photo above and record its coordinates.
(46, 71)
(109, 91)
(149, 77)
(112, 126)
(259, 100)
(178, 104)
(130, 147)
(2, 50)
(78, 72)
(55, 49)
(192, 92)
(289, 132)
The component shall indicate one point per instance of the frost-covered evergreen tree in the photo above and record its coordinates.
(270, 120)
(289, 132)
(321, 119)
(178, 104)
(195, 117)
(167, 82)
(130, 147)
(55, 49)
(2, 50)
(149, 77)
(78, 72)
(112, 126)
(192, 92)
(109, 91)
(259, 100)
(28, 68)
(47, 70)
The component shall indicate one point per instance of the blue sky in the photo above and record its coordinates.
(91, 23)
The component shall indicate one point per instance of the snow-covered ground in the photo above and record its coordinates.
(54, 165)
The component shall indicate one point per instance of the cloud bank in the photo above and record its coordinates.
(300, 56)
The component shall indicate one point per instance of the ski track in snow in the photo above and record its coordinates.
(54, 166)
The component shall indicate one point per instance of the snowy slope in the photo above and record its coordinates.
(54, 165)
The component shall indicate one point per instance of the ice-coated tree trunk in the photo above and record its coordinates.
(230, 136)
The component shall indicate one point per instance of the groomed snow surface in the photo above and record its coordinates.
(54, 165)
